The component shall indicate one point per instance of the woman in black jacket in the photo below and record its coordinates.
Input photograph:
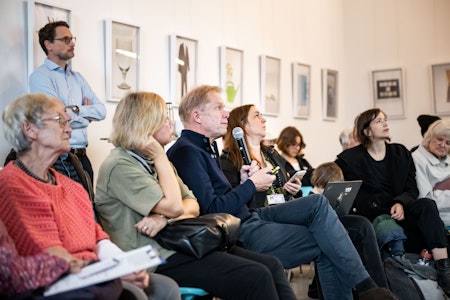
(389, 187)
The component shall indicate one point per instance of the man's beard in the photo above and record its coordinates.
(65, 56)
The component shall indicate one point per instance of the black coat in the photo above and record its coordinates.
(374, 199)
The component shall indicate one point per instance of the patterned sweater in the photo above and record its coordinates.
(39, 215)
(19, 274)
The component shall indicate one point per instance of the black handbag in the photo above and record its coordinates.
(200, 236)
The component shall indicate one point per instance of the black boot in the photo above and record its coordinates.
(443, 271)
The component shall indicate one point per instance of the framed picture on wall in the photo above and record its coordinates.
(40, 14)
(441, 88)
(301, 78)
(183, 66)
(231, 75)
(388, 92)
(329, 94)
(121, 59)
(270, 69)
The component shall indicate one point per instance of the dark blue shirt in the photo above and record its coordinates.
(198, 164)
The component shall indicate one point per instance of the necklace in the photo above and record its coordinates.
(50, 178)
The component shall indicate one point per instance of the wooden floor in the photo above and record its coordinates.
(300, 281)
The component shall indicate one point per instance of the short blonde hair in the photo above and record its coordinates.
(325, 173)
(137, 116)
(438, 128)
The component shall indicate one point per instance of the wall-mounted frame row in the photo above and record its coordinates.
(122, 71)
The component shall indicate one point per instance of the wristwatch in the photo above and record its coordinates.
(74, 108)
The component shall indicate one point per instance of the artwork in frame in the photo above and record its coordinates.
(270, 69)
(40, 14)
(301, 78)
(441, 88)
(388, 92)
(121, 59)
(329, 94)
(183, 66)
(231, 75)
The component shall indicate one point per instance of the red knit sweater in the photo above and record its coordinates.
(39, 215)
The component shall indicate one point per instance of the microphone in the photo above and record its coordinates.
(238, 135)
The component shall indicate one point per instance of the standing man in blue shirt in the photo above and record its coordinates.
(56, 78)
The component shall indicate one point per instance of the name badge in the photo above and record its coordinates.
(275, 199)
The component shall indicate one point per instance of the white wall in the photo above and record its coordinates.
(351, 36)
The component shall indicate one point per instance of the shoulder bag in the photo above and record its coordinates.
(200, 236)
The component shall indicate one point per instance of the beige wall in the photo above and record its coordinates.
(353, 37)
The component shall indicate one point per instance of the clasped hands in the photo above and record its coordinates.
(151, 224)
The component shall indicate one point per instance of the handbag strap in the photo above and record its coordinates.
(142, 161)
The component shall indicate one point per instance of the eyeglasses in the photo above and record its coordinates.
(62, 121)
(67, 39)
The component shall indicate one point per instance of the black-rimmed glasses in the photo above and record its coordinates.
(66, 39)
(62, 121)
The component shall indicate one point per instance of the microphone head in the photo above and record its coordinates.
(238, 133)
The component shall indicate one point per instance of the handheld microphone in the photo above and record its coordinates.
(238, 135)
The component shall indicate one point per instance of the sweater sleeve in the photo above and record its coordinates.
(206, 179)
(20, 274)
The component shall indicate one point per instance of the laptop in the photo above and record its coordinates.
(341, 195)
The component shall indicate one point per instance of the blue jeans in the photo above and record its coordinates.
(304, 230)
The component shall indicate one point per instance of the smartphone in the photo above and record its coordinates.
(275, 170)
(298, 174)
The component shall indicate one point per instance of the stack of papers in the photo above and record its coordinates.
(108, 269)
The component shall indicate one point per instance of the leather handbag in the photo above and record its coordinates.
(200, 236)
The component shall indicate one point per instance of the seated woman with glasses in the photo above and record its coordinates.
(45, 211)
(291, 144)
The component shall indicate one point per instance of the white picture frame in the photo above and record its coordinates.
(301, 82)
(122, 59)
(388, 92)
(270, 70)
(441, 89)
(330, 85)
(182, 65)
(231, 75)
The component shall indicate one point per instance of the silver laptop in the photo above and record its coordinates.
(342, 195)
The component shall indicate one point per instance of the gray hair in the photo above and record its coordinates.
(26, 109)
(344, 137)
(438, 128)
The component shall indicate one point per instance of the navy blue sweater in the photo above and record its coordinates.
(198, 164)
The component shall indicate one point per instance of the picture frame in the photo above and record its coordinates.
(38, 15)
(231, 75)
(301, 82)
(122, 59)
(270, 70)
(441, 88)
(183, 66)
(330, 84)
(388, 92)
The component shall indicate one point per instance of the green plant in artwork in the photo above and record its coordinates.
(231, 90)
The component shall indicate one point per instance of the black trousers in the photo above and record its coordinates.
(363, 237)
(423, 226)
(238, 274)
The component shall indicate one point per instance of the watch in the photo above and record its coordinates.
(74, 108)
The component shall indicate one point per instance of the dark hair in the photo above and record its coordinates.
(238, 118)
(362, 122)
(48, 33)
(288, 137)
